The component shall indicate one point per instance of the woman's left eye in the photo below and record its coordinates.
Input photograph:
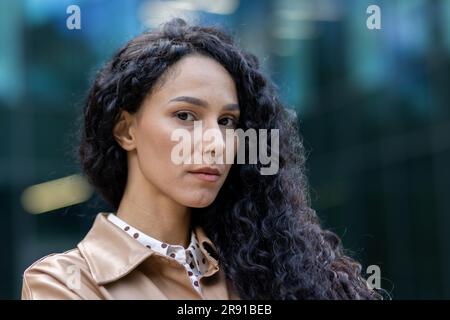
(229, 122)
(186, 116)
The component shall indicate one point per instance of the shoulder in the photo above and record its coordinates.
(57, 276)
(56, 261)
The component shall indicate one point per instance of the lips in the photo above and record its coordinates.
(206, 174)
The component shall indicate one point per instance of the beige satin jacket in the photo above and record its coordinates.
(109, 264)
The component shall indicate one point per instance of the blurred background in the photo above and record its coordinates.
(373, 107)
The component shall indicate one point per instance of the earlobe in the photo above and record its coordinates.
(123, 131)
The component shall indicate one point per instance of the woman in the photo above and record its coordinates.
(193, 231)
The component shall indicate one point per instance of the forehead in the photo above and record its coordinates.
(197, 75)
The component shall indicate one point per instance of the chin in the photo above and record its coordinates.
(200, 200)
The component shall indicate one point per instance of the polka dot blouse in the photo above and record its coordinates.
(191, 258)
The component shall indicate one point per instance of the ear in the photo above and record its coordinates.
(124, 131)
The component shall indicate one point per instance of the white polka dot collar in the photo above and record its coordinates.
(192, 258)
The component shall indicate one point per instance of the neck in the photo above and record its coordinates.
(155, 214)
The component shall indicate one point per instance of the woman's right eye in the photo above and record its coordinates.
(185, 116)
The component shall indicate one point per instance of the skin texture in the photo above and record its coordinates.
(159, 194)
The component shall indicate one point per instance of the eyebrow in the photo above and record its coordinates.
(203, 103)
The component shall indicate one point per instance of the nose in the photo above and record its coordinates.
(213, 143)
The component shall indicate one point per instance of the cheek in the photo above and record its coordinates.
(154, 148)
(231, 148)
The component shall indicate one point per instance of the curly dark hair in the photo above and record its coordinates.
(269, 240)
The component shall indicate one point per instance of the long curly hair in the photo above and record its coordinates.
(269, 241)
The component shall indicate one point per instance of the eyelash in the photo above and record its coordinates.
(236, 122)
(184, 112)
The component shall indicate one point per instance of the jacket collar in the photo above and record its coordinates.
(111, 253)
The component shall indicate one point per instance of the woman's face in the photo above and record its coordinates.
(195, 88)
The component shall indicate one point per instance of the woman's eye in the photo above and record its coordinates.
(229, 122)
(185, 116)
